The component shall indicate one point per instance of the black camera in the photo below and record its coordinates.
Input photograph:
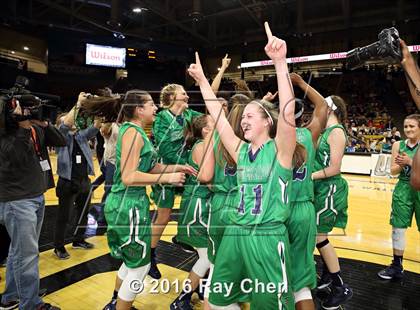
(33, 107)
(387, 48)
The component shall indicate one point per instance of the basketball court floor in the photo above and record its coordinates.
(86, 280)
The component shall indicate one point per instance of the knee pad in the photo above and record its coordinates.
(302, 294)
(122, 272)
(229, 307)
(202, 264)
(398, 238)
(133, 283)
(322, 244)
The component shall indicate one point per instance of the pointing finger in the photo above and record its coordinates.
(197, 59)
(268, 30)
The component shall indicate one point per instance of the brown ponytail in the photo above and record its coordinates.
(341, 111)
(194, 131)
(238, 103)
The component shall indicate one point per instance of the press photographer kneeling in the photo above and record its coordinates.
(25, 175)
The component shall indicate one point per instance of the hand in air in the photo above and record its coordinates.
(276, 48)
(226, 61)
(269, 96)
(407, 57)
(295, 78)
(196, 71)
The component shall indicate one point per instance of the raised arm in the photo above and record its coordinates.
(215, 108)
(132, 143)
(285, 139)
(320, 114)
(218, 78)
(412, 73)
(70, 117)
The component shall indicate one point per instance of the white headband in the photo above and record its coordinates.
(330, 103)
(265, 110)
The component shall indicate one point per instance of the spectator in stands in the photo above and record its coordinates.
(362, 148)
(395, 135)
(350, 148)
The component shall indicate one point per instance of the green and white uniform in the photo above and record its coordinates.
(127, 208)
(330, 193)
(223, 201)
(301, 224)
(405, 199)
(168, 136)
(256, 246)
(192, 224)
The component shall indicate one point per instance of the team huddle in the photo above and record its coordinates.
(259, 191)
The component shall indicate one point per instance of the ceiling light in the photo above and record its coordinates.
(12, 52)
(26, 48)
(137, 10)
(118, 35)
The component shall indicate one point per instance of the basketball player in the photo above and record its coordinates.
(331, 192)
(257, 246)
(168, 133)
(405, 199)
(301, 224)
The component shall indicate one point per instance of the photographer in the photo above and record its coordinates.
(23, 177)
(74, 165)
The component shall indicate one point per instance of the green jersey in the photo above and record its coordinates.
(263, 187)
(224, 179)
(302, 184)
(192, 187)
(168, 134)
(148, 158)
(323, 153)
(410, 151)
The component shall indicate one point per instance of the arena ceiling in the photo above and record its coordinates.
(209, 23)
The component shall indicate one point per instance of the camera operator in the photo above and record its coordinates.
(412, 74)
(74, 165)
(24, 167)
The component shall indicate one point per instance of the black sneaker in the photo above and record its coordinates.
(15, 304)
(47, 307)
(178, 304)
(10, 305)
(154, 271)
(185, 247)
(82, 245)
(325, 281)
(61, 253)
(339, 295)
(113, 305)
(392, 272)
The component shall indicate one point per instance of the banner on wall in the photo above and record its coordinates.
(108, 56)
(330, 56)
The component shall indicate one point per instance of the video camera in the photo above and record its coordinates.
(30, 102)
(387, 48)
